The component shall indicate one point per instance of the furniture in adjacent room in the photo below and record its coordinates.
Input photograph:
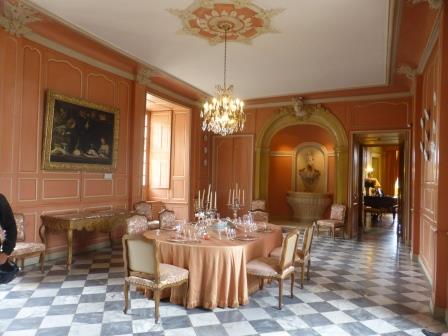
(272, 268)
(98, 221)
(336, 220)
(167, 219)
(26, 249)
(378, 205)
(146, 209)
(217, 267)
(143, 268)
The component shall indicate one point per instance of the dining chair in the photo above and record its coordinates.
(167, 219)
(137, 224)
(145, 209)
(303, 254)
(142, 268)
(260, 216)
(270, 268)
(26, 249)
(336, 220)
(258, 205)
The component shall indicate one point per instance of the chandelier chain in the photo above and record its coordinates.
(225, 55)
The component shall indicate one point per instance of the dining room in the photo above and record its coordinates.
(137, 197)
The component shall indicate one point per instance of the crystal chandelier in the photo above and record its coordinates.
(223, 114)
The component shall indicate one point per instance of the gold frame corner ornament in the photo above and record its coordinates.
(47, 164)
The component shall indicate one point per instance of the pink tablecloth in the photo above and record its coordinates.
(217, 267)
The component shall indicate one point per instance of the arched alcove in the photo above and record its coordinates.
(320, 117)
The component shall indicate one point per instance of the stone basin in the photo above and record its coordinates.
(308, 206)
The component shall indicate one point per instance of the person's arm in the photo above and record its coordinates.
(8, 224)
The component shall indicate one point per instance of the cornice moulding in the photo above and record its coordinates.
(407, 71)
(433, 4)
(333, 100)
(16, 17)
(433, 37)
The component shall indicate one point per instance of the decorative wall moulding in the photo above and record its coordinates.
(16, 15)
(407, 70)
(434, 4)
(205, 18)
(301, 110)
(144, 75)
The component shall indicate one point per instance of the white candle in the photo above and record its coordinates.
(243, 198)
(233, 197)
(239, 195)
(199, 198)
(208, 194)
(230, 191)
(203, 197)
(215, 200)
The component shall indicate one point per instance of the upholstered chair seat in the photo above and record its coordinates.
(336, 220)
(145, 209)
(277, 269)
(26, 249)
(169, 275)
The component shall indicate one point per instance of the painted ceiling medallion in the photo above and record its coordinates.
(206, 19)
(16, 16)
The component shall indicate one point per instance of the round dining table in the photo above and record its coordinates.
(217, 267)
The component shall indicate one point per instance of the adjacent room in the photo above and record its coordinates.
(223, 167)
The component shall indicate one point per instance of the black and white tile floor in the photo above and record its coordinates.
(356, 288)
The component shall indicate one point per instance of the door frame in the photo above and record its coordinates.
(405, 135)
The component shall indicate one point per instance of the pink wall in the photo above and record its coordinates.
(28, 71)
(280, 166)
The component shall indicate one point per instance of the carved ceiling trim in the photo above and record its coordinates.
(408, 71)
(208, 18)
(144, 75)
(16, 17)
(433, 4)
(301, 110)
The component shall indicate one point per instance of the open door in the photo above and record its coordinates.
(354, 218)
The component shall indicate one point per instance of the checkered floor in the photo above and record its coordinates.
(367, 288)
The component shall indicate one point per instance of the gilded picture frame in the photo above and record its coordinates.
(79, 135)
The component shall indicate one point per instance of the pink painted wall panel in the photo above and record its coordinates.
(31, 105)
(98, 188)
(60, 188)
(27, 189)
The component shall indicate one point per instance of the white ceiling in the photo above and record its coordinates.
(322, 45)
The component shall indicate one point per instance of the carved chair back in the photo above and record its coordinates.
(338, 212)
(141, 257)
(167, 218)
(289, 247)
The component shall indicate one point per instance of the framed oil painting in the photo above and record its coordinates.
(79, 135)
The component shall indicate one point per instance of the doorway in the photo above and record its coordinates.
(380, 194)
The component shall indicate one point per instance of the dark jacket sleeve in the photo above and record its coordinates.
(8, 224)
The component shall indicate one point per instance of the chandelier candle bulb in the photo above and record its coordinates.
(230, 191)
(242, 202)
(216, 197)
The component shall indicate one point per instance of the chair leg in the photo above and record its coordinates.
(302, 275)
(333, 232)
(126, 297)
(317, 230)
(280, 294)
(186, 295)
(292, 284)
(308, 270)
(261, 283)
(42, 262)
(157, 303)
(22, 263)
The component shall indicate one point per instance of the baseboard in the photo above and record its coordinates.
(446, 316)
(425, 270)
(63, 254)
(414, 257)
(438, 313)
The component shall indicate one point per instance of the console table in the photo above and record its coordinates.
(98, 221)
